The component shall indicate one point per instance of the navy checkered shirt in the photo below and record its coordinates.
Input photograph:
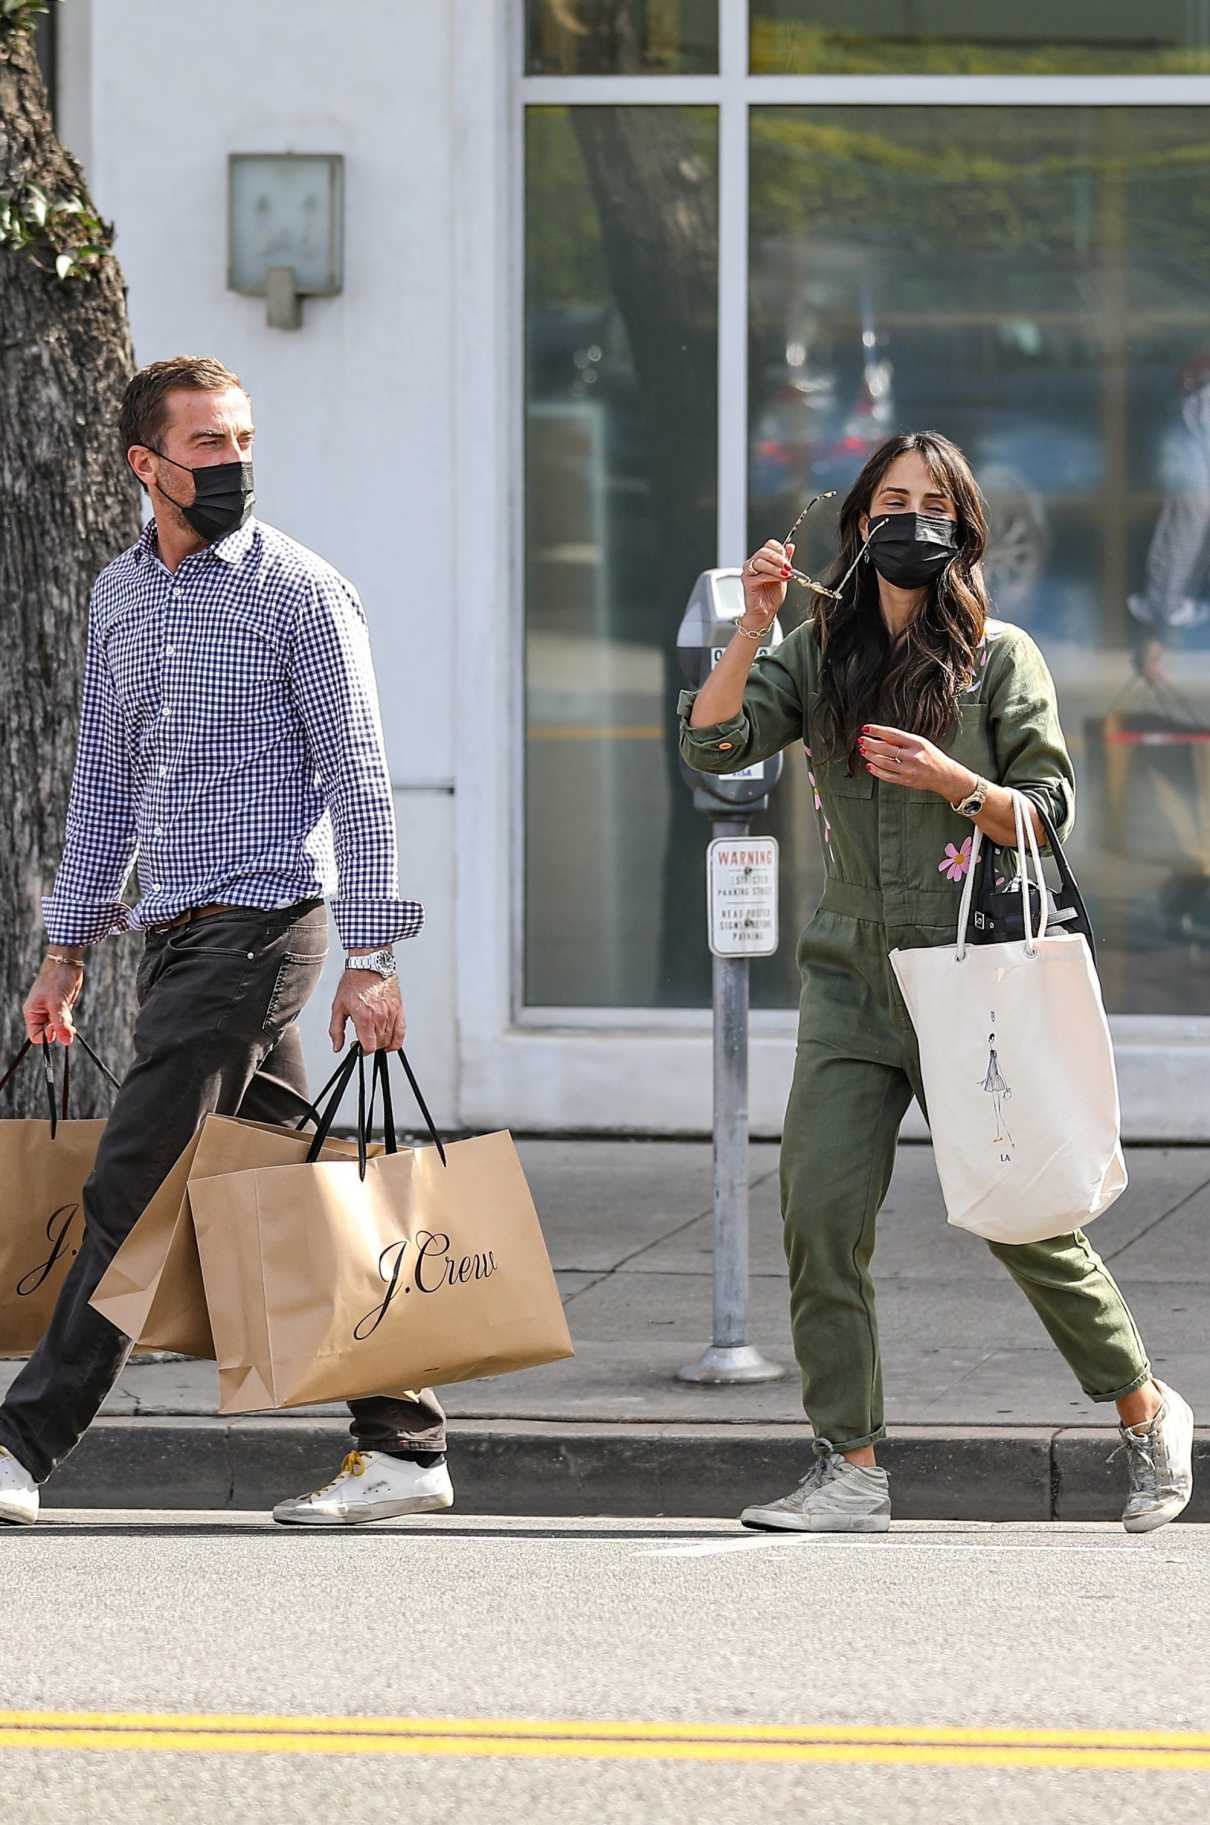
(230, 740)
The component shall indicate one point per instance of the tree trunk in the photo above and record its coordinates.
(67, 505)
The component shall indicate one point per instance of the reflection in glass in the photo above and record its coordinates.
(1034, 283)
(621, 37)
(980, 37)
(621, 515)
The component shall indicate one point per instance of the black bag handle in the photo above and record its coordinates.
(382, 1071)
(338, 1083)
(312, 1112)
(1069, 895)
(1071, 886)
(354, 1060)
(58, 1111)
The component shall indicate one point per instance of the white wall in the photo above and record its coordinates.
(354, 412)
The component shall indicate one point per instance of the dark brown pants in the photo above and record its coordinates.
(215, 1034)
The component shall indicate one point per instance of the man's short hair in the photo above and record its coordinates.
(145, 401)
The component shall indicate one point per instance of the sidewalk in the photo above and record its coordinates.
(987, 1422)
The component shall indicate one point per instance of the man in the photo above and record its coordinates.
(230, 739)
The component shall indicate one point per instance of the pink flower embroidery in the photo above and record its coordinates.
(815, 790)
(955, 862)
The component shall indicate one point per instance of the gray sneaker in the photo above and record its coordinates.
(835, 1497)
(1160, 1458)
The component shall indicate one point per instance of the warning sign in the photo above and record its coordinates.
(741, 896)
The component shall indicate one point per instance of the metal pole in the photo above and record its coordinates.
(731, 1358)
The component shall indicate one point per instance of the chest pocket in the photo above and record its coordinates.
(971, 746)
(241, 671)
(835, 781)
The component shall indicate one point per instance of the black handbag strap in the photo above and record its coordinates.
(1069, 886)
(58, 1108)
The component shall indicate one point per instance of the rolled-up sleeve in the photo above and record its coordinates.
(771, 716)
(1027, 736)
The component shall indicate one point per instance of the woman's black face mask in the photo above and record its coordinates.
(910, 549)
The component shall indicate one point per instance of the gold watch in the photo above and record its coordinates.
(973, 803)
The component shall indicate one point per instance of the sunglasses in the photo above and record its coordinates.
(800, 576)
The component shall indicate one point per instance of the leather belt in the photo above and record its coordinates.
(196, 912)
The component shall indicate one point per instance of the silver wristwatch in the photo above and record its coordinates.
(973, 803)
(381, 962)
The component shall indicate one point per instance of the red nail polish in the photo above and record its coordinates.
(785, 570)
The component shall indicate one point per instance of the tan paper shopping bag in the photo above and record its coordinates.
(153, 1287)
(326, 1286)
(43, 1167)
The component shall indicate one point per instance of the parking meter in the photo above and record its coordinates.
(707, 629)
(741, 902)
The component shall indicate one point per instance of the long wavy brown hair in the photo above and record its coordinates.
(912, 683)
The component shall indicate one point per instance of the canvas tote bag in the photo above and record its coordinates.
(1018, 1070)
(332, 1280)
(43, 1167)
(153, 1287)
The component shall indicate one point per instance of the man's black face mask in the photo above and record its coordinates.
(910, 549)
(224, 497)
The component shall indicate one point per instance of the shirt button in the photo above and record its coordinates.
(170, 650)
(159, 829)
(166, 714)
(163, 770)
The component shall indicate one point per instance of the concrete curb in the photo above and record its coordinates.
(520, 1467)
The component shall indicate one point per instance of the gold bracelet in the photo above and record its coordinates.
(58, 957)
(749, 635)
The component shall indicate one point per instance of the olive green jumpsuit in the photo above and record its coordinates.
(895, 858)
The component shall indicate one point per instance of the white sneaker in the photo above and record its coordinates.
(1161, 1465)
(18, 1493)
(371, 1487)
(835, 1497)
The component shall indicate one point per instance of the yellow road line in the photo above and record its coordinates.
(885, 1744)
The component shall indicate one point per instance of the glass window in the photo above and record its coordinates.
(978, 38)
(621, 515)
(621, 37)
(1035, 283)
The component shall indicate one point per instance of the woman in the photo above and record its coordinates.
(917, 711)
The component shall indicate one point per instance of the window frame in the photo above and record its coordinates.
(1159, 1054)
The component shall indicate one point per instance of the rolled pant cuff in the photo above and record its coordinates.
(851, 1444)
(1131, 1387)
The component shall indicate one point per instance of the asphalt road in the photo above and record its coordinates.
(191, 1669)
